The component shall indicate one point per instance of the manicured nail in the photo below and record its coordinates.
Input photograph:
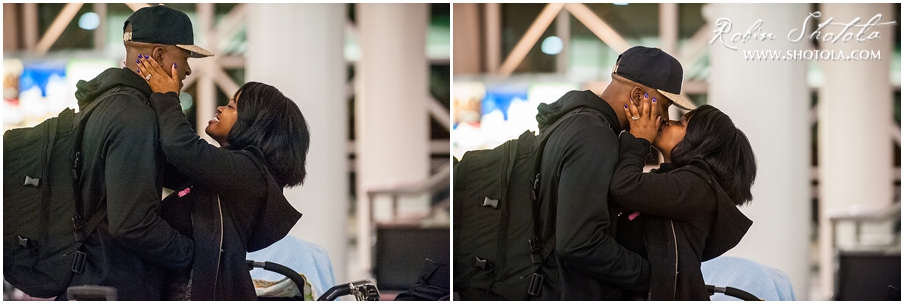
(175, 66)
(138, 70)
(645, 95)
(139, 56)
(626, 106)
(138, 61)
(146, 57)
(654, 99)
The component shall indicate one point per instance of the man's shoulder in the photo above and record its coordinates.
(122, 110)
(125, 100)
(582, 127)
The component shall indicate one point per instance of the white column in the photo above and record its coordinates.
(392, 126)
(769, 101)
(466, 49)
(855, 114)
(298, 48)
(668, 27)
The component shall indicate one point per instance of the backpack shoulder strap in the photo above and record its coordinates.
(83, 229)
(541, 250)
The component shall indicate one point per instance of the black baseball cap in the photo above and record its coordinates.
(163, 25)
(656, 69)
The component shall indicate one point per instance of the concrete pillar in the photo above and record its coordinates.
(563, 31)
(298, 48)
(769, 101)
(467, 38)
(11, 27)
(668, 27)
(855, 114)
(392, 126)
(492, 32)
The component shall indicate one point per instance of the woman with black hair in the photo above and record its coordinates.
(233, 202)
(686, 212)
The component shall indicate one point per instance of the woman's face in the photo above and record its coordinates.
(218, 128)
(671, 133)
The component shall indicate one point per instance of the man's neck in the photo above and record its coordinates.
(617, 105)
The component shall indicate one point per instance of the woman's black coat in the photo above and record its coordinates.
(235, 205)
(686, 217)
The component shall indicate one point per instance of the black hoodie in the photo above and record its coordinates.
(685, 218)
(122, 169)
(576, 169)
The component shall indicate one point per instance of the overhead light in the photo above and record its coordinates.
(620, 4)
(89, 21)
(552, 45)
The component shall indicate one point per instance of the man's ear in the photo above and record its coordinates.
(157, 53)
(636, 95)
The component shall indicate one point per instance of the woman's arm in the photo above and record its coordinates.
(215, 168)
(677, 195)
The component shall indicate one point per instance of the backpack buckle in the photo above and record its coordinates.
(78, 262)
(536, 281)
(76, 165)
(482, 264)
(24, 242)
(535, 188)
(79, 227)
(535, 257)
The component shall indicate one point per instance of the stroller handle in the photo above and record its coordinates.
(283, 270)
(731, 291)
(364, 290)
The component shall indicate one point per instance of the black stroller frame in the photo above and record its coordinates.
(731, 291)
(364, 290)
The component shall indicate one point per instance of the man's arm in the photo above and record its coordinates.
(583, 215)
(132, 195)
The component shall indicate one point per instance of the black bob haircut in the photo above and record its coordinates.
(712, 137)
(272, 122)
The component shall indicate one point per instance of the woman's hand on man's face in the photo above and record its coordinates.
(157, 78)
(645, 120)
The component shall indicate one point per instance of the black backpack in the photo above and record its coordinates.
(42, 230)
(497, 254)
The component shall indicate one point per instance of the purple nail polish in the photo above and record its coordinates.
(626, 106)
(645, 95)
(138, 70)
(139, 56)
(137, 61)
(175, 66)
(146, 57)
(654, 99)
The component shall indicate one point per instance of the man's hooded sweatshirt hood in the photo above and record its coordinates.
(549, 113)
(88, 91)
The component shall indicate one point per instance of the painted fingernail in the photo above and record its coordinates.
(175, 66)
(146, 57)
(626, 106)
(138, 61)
(138, 70)
(645, 95)
(139, 56)
(654, 99)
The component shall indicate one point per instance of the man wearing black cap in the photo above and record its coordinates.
(577, 165)
(121, 173)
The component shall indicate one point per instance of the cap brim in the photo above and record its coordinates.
(678, 100)
(196, 51)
